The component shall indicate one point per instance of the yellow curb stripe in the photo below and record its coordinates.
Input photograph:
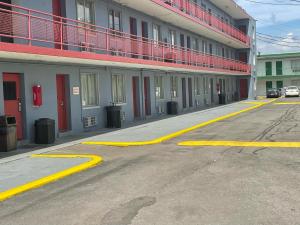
(94, 160)
(241, 144)
(287, 103)
(175, 134)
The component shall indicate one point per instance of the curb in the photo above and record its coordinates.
(178, 133)
(94, 160)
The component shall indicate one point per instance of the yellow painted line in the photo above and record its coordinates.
(94, 160)
(241, 144)
(287, 103)
(175, 134)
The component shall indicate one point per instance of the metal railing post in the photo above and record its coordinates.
(29, 28)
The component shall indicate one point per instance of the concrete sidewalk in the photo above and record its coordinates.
(31, 172)
(157, 129)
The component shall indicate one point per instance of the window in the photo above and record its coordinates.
(204, 47)
(268, 68)
(205, 85)
(159, 89)
(118, 89)
(198, 86)
(195, 44)
(89, 89)
(172, 35)
(295, 65)
(114, 20)
(10, 90)
(174, 87)
(279, 68)
(268, 85)
(86, 11)
(156, 33)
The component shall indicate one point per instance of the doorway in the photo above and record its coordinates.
(145, 35)
(190, 90)
(13, 99)
(62, 103)
(147, 96)
(243, 88)
(7, 17)
(133, 36)
(183, 81)
(136, 97)
(212, 99)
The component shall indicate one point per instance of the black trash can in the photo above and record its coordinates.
(8, 133)
(222, 99)
(113, 114)
(172, 108)
(44, 131)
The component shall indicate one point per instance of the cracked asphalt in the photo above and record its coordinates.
(168, 184)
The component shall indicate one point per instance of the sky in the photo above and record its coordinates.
(282, 21)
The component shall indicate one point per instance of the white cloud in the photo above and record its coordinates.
(267, 15)
(287, 44)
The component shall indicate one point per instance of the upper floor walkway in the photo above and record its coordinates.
(21, 26)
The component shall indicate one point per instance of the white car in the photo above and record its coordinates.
(292, 91)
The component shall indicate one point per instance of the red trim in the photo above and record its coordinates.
(19, 48)
(183, 14)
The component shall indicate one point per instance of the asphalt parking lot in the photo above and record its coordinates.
(169, 184)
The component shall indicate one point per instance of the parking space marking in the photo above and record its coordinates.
(287, 103)
(94, 160)
(241, 144)
(178, 133)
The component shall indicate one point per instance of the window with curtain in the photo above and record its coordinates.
(114, 20)
(159, 91)
(198, 85)
(118, 89)
(295, 65)
(172, 37)
(156, 33)
(89, 90)
(86, 11)
(174, 87)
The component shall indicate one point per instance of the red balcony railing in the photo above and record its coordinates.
(26, 26)
(196, 11)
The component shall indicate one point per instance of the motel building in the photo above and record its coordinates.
(277, 71)
(68, 60)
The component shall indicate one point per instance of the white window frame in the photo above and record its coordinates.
(114, 16)
(174, 86)
(198, 81)
(172, 34)
(118, 96)
(159, 87)
(90, 20)
(156, 33)
(85, 91)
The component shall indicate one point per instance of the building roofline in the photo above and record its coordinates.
(279, 55)
(232, 4)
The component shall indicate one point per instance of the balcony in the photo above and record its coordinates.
(35, 29)
(187, 14)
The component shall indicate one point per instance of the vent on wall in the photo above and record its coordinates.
(89, 121)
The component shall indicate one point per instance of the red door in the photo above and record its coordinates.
(61, 103)
(243, 88)
(12, 99)
(147, 96)
(136, 96)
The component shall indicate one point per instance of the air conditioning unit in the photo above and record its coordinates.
(89, 121)
(160, 109)
(85, 47)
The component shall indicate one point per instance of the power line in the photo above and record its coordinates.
(276, 4)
